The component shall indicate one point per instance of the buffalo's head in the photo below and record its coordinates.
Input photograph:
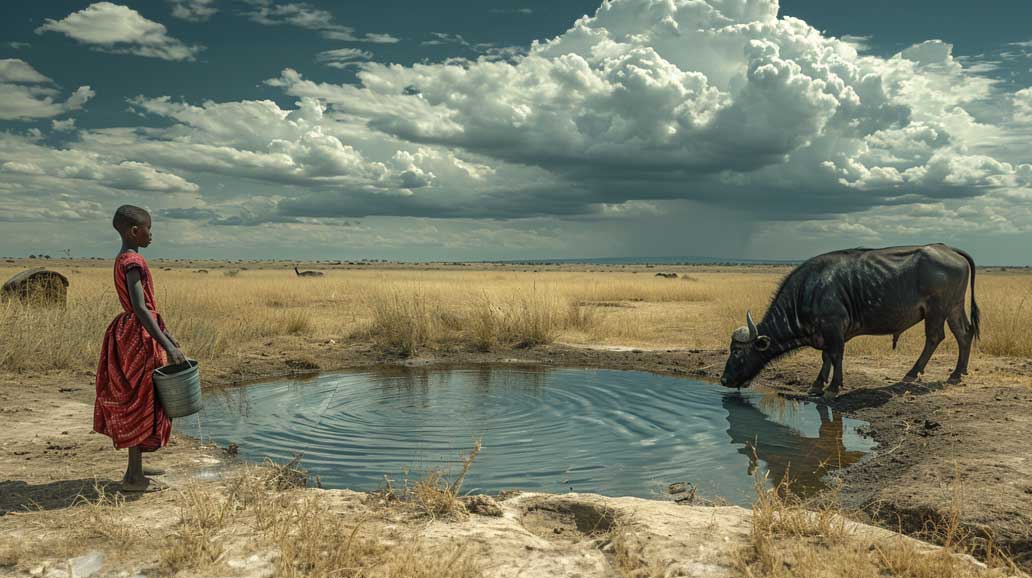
(749, 353)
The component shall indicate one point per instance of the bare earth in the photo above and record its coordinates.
(931, 435)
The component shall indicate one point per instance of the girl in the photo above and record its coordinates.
(135, 344)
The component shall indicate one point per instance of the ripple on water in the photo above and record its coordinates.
(610, 432)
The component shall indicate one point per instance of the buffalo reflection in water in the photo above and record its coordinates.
(787, 453)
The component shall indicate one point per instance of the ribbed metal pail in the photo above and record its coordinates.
(179, 388)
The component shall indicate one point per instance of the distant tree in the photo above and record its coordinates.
(46, 256)
(32, 256)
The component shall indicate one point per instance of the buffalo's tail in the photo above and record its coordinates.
(975, 314)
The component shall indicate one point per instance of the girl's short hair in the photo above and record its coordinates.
(129, 216)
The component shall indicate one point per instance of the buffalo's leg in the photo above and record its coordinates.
(965, 334)
(822, 377)
(836, 351)
(935, 332)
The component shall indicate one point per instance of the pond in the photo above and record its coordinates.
(618, 433)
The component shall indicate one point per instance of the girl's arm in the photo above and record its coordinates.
(132, 277)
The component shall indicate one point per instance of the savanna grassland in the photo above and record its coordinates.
(941, 447)
(221, 313)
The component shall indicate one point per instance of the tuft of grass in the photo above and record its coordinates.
(199, 540)
(298, 323)
(401, 322)
(532, 318)
(105, 515)
(435, 497)
(792, 537)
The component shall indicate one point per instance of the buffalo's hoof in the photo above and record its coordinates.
(830, 394)
(909, 378)
(953, 379)
(815, 392)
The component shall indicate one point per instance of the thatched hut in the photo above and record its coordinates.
(39, 285)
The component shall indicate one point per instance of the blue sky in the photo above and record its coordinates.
(488, 130)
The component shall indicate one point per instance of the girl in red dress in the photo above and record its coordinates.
(135, 344)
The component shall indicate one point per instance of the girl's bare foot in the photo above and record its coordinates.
(144, 484)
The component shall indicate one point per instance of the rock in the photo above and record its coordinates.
(86, 565)
(482, 505)
(678, 488)
(683, 492)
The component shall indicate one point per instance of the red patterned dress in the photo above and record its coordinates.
(127, 408)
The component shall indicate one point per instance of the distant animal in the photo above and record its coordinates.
(36, 286)
(307, 273)
(667, 275)
(201, 271)
(837, 296)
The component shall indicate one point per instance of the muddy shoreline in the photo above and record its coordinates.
(943, 449)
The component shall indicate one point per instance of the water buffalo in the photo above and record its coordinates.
(837, 296)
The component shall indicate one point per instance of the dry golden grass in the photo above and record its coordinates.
(405, 311)
(100, 519)
(436, 497)
(261, 510)
(308, 537)
(805, 539)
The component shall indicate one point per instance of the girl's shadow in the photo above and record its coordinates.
(19, 496)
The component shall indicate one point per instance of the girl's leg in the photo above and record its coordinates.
(134, 479)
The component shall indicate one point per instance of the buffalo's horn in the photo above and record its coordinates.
(753, 332)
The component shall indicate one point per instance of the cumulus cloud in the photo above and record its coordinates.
(720, 102)
(29, 164)
(640, 106)
(250, 139)
(18, 71)
(343, 57)
(119, 29)
(1023, 106)
(304, 15)
(26, 94)
(193, 10)
(63, 125)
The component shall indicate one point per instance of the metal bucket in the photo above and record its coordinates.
(179, 388)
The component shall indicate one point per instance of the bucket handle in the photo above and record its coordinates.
(190, 363)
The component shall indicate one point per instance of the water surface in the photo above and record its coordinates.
(619, 433)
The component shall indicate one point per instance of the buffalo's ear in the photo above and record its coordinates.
(762, 343)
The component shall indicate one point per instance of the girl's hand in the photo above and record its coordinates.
(175, 356)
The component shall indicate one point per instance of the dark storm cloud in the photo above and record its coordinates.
(507, 204)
